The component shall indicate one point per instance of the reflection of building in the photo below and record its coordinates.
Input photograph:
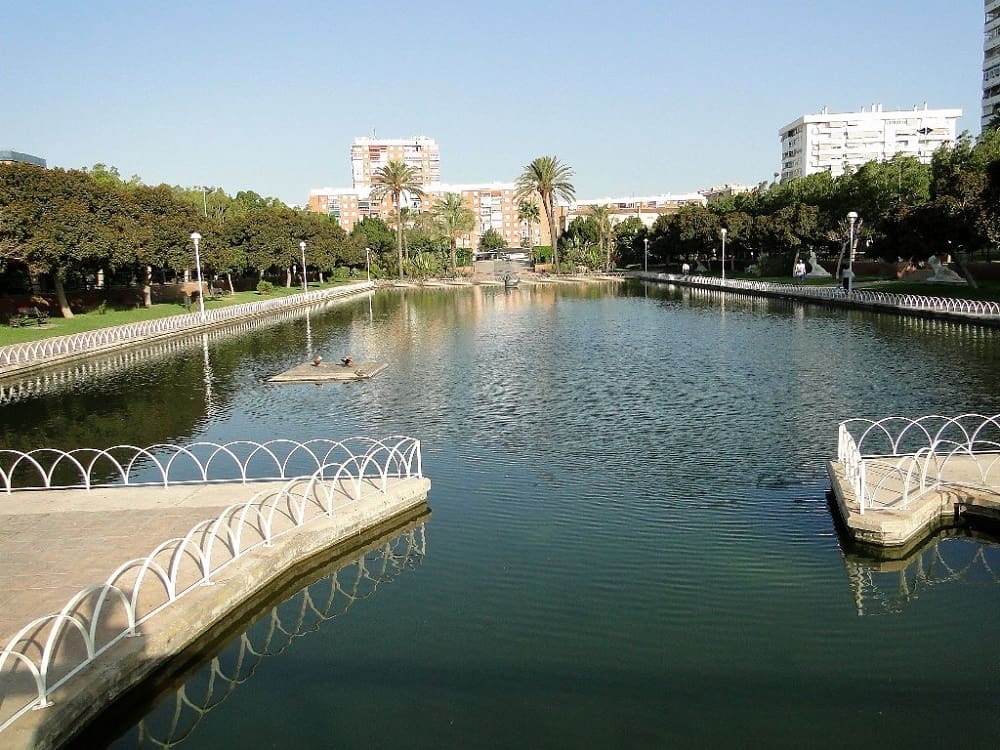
(645, 208)
(12, 157)
(830, 142)
(991, 63)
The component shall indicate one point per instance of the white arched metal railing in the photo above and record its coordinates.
(103, 337)
(167, 464)
(49, 650)
(890, 462)
(902, 301)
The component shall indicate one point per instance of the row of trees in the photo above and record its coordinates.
(68, 225)
(908, 210)
(72, 223)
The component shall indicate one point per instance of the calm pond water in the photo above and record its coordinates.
(629, 543)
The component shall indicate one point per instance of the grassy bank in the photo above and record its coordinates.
(94, 319)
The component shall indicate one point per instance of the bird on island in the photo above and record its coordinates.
(317, 361)
(346, 361)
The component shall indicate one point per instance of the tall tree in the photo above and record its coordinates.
(605, 232)
(548, 178)
(396, 179)
(528, 212)
(455, 219)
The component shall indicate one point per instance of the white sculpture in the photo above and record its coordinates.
(942, 274)
(817, 272)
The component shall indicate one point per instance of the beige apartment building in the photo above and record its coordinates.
(420, 153)
(645, 208)
(493, 203)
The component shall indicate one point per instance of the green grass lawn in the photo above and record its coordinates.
(93, 320)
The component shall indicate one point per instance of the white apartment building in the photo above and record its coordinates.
(830, 141)
(420, 153)
(991, 63)
(646, 208)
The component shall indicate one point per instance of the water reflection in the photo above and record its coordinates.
(340, 584)
(951, 558)
(64, 377)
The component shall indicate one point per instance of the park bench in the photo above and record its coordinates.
(219, 292)
(25, 315)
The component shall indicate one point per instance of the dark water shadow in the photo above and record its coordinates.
(176, 697)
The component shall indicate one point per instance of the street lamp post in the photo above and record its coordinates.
(851, 217)
(368, 264)
(305, 284)
(197, 263)
(722, 233)
(645, 255)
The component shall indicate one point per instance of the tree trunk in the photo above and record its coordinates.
(454, 257)
(399, 238)
(288, 277)
(147, 289)
(966, 273)
(547, 204)
(229, 278)
(61, 295)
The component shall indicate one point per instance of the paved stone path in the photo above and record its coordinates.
(54, 543)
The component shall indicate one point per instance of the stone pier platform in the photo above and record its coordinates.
(53, 543)
(894, 528)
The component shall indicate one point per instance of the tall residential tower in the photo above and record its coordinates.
(829, 141)
(420, 153)
(991, 63)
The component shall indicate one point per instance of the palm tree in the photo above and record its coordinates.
(455, 219)
(527, 211)
(602, 218)
(396, 179)
(547, 177)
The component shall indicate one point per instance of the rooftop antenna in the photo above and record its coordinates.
(373, 132)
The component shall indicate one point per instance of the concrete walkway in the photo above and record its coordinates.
(55, 543)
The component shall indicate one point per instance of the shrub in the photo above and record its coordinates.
(264, 287)
(341, 273)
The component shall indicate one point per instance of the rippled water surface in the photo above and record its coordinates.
(629, 543)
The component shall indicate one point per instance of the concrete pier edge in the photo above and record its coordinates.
(187, 620)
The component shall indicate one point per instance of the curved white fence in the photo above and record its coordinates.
(864, 296)
(238, 461)
(49, 650)
(102, 337)
(174, 720)
(892, 461)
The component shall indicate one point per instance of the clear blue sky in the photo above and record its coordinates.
(638, 97)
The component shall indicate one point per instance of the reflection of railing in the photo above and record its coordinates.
(175, 718)
(891, 462)
(240, 460)
(81, 371)
(104, 337)
(887, 587)
(46, 652)
(864, 296)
